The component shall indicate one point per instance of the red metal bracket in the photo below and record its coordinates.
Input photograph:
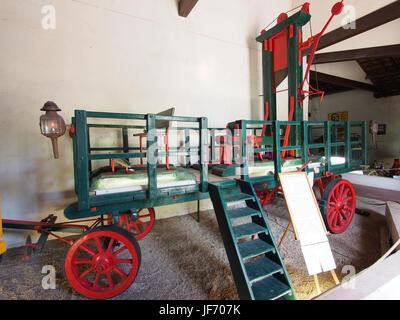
(313, 42)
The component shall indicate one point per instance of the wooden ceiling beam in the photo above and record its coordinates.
(370, 21)
(373, 76)
(186, 6)
(356, 54)
(342, 82)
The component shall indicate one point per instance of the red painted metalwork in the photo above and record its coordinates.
(38, 229)
(141, 226)
(68, 225)
(306, 7)
(113, 162)
(282, 17)
(313, 42)
(166, 142)
(93, 266)
(266, 197)
(340, 200)
(287, 131)
(279, 48)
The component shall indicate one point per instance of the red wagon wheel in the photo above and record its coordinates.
(340, 200)
(103, 262)
(142, 225)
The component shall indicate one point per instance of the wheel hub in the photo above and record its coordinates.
(103, 262)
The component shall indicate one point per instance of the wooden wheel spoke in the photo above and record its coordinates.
(120, 272)
(99, 245)
(348, 199)
(96, 280)
(87, 249)
(109, 279)
(129, 261)
(136, 227)
(341, 189)
(337, 219)
(109, 249)
(346, 191)
(143, 223)
(331, 214)
(83, 275)
(347, 208)
(119, 251)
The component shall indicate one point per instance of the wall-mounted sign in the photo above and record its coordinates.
(339, 116)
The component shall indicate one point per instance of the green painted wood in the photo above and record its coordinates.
(253, 248)
(82, 161)
(266, 141)
(244, 167)
(248, 229)
(300, 18)
(187, 146)
(237, 197)
(230, 243)
(151, 156)
(261, 268)
(242, 213)
(270, 289)
(277, 148)
(328, 148)
(114, 115)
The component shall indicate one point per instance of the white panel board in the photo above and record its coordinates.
(307, 222)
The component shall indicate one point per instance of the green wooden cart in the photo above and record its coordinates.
(118, 186)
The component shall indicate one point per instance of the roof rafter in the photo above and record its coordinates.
(370, 21)
(364, 53)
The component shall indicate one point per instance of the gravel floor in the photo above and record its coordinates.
(183, 259)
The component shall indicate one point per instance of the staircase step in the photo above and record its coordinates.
(249, 229)
(270, 289)
(234, 197)
(242, 213)
(254, 248)
(261, 268)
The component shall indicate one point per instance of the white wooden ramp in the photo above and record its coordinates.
(307, 222)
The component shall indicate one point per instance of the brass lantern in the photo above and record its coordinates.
(52, 125)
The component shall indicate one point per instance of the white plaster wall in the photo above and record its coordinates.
(121, 56)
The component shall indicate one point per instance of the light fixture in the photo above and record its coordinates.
(52, 125)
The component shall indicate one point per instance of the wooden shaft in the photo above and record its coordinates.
(317, 283)
(334, 276)
(284, 235)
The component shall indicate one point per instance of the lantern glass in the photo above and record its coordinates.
(51, 124)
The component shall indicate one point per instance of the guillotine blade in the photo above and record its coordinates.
(280, 57)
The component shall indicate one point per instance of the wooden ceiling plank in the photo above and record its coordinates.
(365, 53)
(343, 82)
